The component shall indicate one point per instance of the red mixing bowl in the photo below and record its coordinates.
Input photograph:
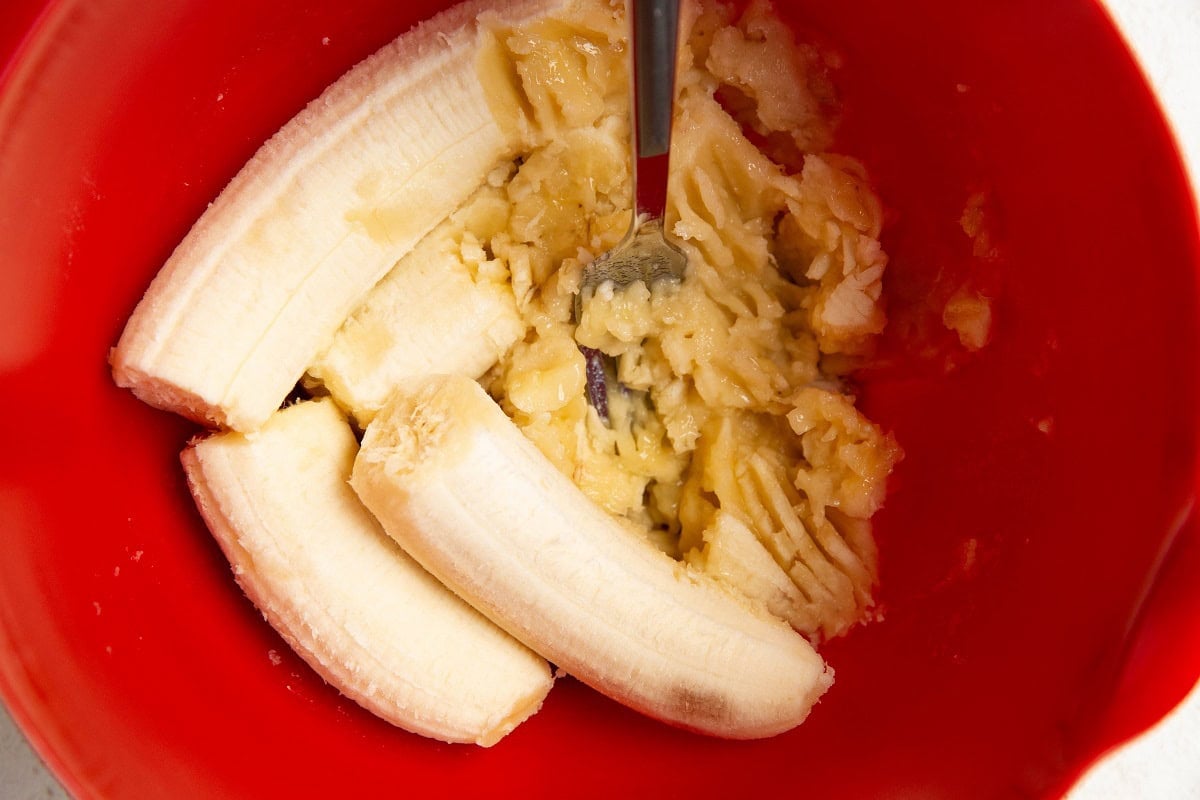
(1038, 544)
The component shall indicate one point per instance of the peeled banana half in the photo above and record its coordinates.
(454, 481)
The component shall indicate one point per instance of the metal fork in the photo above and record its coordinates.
(646, 253)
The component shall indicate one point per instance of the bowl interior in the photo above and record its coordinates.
(1045, 475)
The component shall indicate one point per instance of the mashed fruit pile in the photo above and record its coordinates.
(734, 442)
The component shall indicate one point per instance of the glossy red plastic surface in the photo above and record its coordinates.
(1045, 477)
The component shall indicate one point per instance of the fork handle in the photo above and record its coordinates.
(655, 41)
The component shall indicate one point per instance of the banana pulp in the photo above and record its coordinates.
(409, 249)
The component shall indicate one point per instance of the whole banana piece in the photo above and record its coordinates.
(454, 481)
(322, 211)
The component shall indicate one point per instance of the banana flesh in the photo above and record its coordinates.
(363, 614)
(428, 316)
(733, 554)
(321, 212)
(454, 481)
(810, 563)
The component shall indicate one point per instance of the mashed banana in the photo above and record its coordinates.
(733, 443)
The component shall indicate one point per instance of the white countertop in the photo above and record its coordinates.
(21, 773)
(1165, 762)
